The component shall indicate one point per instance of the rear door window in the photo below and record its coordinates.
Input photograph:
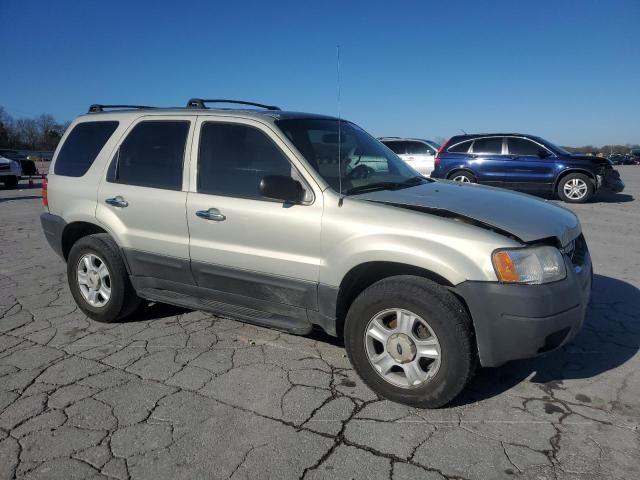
(462, 147)
(399, 148)
(419, 148)
(491, 145)
(152, 155)
(82, 146)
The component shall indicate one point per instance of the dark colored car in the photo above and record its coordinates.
(28, 166)
(527, 163)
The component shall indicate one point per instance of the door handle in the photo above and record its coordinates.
(211, 214)
(117, 202)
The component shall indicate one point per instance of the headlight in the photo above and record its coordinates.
(529, 265)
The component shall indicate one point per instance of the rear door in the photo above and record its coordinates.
(533, 164)
(488, 160)
(142, 200)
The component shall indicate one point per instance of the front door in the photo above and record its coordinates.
(143, 197)
(533, 164)
(241, 242)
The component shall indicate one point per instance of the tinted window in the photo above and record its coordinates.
(522, 146)
(488, 145)
(399, 148)
(152, 155)
(82, 147)
(233, 159)
(460, 148)
(419, 148)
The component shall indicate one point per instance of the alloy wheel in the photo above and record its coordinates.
(94, 280)
(575, 189)
(402, 348)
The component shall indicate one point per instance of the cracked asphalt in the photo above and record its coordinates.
(178, 394)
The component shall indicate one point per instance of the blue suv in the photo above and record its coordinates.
(527, 163)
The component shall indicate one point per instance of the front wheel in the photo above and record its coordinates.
(575, 188)
(98, 279)
(411, 341)
(463, 177)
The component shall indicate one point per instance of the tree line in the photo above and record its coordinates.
(30, 133)
(44, 132)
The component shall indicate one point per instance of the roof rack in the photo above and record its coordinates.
(96, 107)
(200, 103)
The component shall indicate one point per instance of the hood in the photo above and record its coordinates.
(590, 158)
(522, 216)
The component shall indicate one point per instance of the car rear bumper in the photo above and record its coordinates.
(53, 226)
(522, 321)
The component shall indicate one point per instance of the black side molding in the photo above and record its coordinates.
(53, 226)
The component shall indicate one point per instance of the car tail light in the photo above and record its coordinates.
(45, 192)
(436, 160)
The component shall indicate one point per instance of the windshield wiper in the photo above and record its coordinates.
(372, 187)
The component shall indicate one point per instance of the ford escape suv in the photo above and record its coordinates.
(527, 163)
(294, 221)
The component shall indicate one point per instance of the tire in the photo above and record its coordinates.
(10, 182)
(122, 299)
(462, 177)
(582, 191)
(448, 323)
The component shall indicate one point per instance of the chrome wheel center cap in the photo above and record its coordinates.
(93, 280)
(401, 348)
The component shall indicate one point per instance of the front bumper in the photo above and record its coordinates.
(522, 321)
(611, 181)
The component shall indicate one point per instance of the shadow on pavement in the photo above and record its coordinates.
(608, 197)
(609, 338)
(24, 197)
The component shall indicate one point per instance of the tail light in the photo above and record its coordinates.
(436, 160)
(45, 193)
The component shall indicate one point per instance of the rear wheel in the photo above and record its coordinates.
(10, 182)
(462, 177)
(575, 188)
(98, 279)
(411, 341)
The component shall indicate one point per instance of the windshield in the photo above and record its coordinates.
(366, 164)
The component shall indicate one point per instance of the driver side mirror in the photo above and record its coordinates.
(542, 153)
(282, 188)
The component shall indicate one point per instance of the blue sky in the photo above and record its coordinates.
(566, 70)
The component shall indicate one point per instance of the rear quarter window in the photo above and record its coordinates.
(82, 146)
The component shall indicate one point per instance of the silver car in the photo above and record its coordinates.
(298, 221)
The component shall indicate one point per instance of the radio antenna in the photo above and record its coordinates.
(340, 197)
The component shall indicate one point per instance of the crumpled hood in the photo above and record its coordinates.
(523, 216)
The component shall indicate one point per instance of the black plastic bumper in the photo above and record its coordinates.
(53, 227)
(612, 182)
(522, 321)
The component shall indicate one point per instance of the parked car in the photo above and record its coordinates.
(416, 152)
(617, 158)
(525, 162)
(10, 170)
(28, 166)
(261, 216)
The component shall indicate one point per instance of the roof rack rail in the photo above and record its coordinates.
(200, 103)
(96, 107)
